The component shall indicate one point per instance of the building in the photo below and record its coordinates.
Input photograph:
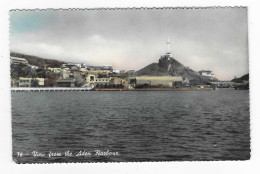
(117, 81)
(65, 83)
(206, 73)
(54, 70)
(186, 82)
(33, 67)
(104, 67)
(116, 71)
(92, 78)
(78, 77)
(99, 71)
(131, 71)
(64, 73)
(14, 82)
(164, 81)
(16, 60)
(31, 82)
(83, 70)
(70, 65)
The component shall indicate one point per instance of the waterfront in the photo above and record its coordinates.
(140, 126)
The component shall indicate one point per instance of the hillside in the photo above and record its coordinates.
(241, 79)
(168, 66)
(38, 61)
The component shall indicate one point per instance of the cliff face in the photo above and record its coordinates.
(168, 66)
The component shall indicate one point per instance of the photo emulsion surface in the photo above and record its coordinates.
(129, 85)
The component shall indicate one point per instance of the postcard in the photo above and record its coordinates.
(129, 85)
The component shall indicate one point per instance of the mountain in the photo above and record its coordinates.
(38, 61)
(168, 66)
(241, 79)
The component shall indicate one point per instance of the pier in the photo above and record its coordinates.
(58, 89)
(53, 89)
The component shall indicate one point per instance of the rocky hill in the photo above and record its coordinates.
(169, 66)
(38, 61)
(241, 79)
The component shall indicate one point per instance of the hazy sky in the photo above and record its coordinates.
(203, 39)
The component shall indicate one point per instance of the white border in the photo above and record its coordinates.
(8, 166)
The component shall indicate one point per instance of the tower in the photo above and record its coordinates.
(168, 54)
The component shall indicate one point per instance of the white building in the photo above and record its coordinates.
(16, 60)
(116, 71)
(33, 67)
(206, 73)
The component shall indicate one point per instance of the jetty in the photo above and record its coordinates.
(58, 89)
(53, 89)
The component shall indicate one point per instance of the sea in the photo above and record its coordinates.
(130, 126)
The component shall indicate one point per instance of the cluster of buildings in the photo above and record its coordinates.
(81, 75)
(69, 75)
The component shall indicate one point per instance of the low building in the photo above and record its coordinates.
(116, 71)
(71, 64)
(55, 70)
(131, 71)
(164, 81)
(31, 82)
(64, 74)
(83, 70)
(65, 83)
(206, 73)
(186, 82)
(14, 82)
(117, 81)
(92, 78)
(99, 71)
(25, 82)
(78, 77)
(16, 60)
(33, 67)
(104, 67)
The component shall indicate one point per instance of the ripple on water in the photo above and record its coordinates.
(141, 126)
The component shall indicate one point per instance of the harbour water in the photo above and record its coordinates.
(138, 126)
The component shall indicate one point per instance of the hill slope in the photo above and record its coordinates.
(38, 61)
(241, 79)
(169, 66)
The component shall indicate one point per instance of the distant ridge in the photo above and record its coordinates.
(241, 79)
(168, 66)
(38, 61)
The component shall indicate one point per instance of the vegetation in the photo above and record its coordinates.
(21, 70)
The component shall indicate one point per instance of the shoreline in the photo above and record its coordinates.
(105, 89)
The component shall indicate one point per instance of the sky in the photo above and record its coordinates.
(203, 39)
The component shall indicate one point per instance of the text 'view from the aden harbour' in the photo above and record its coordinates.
(31, 73)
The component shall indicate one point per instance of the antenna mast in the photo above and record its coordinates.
(168, 45)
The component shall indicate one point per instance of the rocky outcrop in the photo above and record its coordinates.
(168, 66)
